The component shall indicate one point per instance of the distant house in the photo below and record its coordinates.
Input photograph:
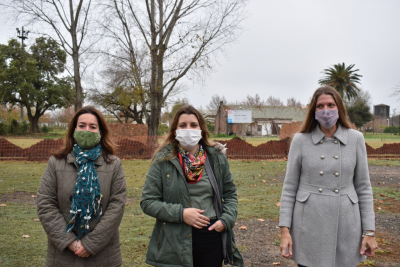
(266, 120)
(209, 115)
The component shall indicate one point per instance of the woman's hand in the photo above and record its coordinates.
(193, 217)
(368, 246)
(81, 251)
(286, 243)
(73, 246)
(217, 226)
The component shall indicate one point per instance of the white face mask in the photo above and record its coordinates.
(188, 138)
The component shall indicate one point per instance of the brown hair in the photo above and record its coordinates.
(310, 122)
(170, 138)
(108, 147)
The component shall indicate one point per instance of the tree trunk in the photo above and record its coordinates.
(77, 80)
(34, 121)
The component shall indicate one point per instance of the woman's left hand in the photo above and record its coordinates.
(82, 252)
(217, 226)
(368, 246)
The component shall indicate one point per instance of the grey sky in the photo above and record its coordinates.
(286, 44)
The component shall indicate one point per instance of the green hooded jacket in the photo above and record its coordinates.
(165, 194)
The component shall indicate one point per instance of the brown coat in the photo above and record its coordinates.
(56, 187)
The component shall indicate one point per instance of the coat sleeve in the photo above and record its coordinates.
(363, 187)
(152, 202)
(50, 216)
(229, 196)
(108, 225)
(291, 183)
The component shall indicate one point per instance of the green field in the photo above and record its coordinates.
(258, 194)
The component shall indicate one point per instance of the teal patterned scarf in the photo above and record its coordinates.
(86, 199)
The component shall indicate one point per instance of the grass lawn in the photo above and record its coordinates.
(258, 195)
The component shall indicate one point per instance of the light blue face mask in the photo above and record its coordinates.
(87, 139)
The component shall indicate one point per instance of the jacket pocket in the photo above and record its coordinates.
(355, 209)
(299, 209)
(302, 196)
(353, 197)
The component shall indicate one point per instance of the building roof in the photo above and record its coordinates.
(381, 105)
(272, 112)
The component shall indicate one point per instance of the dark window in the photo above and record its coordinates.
(259, 128)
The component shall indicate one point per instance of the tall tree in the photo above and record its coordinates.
(33, 79)
(358, 109)
(343, 79)
(69, 22)
(181, 38)
(215, 101)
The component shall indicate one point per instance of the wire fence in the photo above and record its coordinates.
(143, 147)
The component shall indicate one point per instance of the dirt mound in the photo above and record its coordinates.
(128, 148)
(278, 149)
(8, 149)
(43, 149)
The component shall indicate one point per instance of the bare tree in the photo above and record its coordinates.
(123, 96)
(180, 37)
(274, 101)
(214, 102)
(69, 23)
(292, 102)
(254, 101)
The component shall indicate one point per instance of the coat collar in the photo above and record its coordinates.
(71, 159)
(341, 134)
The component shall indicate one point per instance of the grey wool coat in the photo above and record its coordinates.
(327, 198)
(56, 187)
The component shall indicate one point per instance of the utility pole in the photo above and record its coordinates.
(22, 35)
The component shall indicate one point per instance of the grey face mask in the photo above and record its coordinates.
(327, 117)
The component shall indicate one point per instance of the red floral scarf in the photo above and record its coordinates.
(192, 165)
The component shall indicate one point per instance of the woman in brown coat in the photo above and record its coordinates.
(81, 196)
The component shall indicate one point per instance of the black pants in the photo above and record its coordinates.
(207, 247)
(301, 265)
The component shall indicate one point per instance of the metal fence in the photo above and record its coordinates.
(143, 147)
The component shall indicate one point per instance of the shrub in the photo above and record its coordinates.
(162, 129)
(45, 129)
(210, 127)
(391, 129)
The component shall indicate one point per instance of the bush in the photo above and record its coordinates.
(210, 127)
(221, 135)
(391, 129)
(45, 129)
(162, 129)
(14, 128)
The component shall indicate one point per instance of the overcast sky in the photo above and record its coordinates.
(286, 44)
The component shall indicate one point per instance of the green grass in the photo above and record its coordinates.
(257, 199)
(384, 162)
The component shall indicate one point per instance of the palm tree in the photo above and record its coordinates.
(343, 79)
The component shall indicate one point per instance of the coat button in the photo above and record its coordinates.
(189, 205)
(167, 175)
(321, 173)
(336, 191)
(322, 157)
(190, 235)
(336, 157)
(335, 142)
(337, 174)
(320, 190)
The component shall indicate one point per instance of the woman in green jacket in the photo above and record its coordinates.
(179, 194)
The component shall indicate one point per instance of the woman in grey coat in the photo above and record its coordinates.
(81, 197)
(327, 214)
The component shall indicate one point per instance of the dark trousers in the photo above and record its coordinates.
(301, 265)
(207, 247)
